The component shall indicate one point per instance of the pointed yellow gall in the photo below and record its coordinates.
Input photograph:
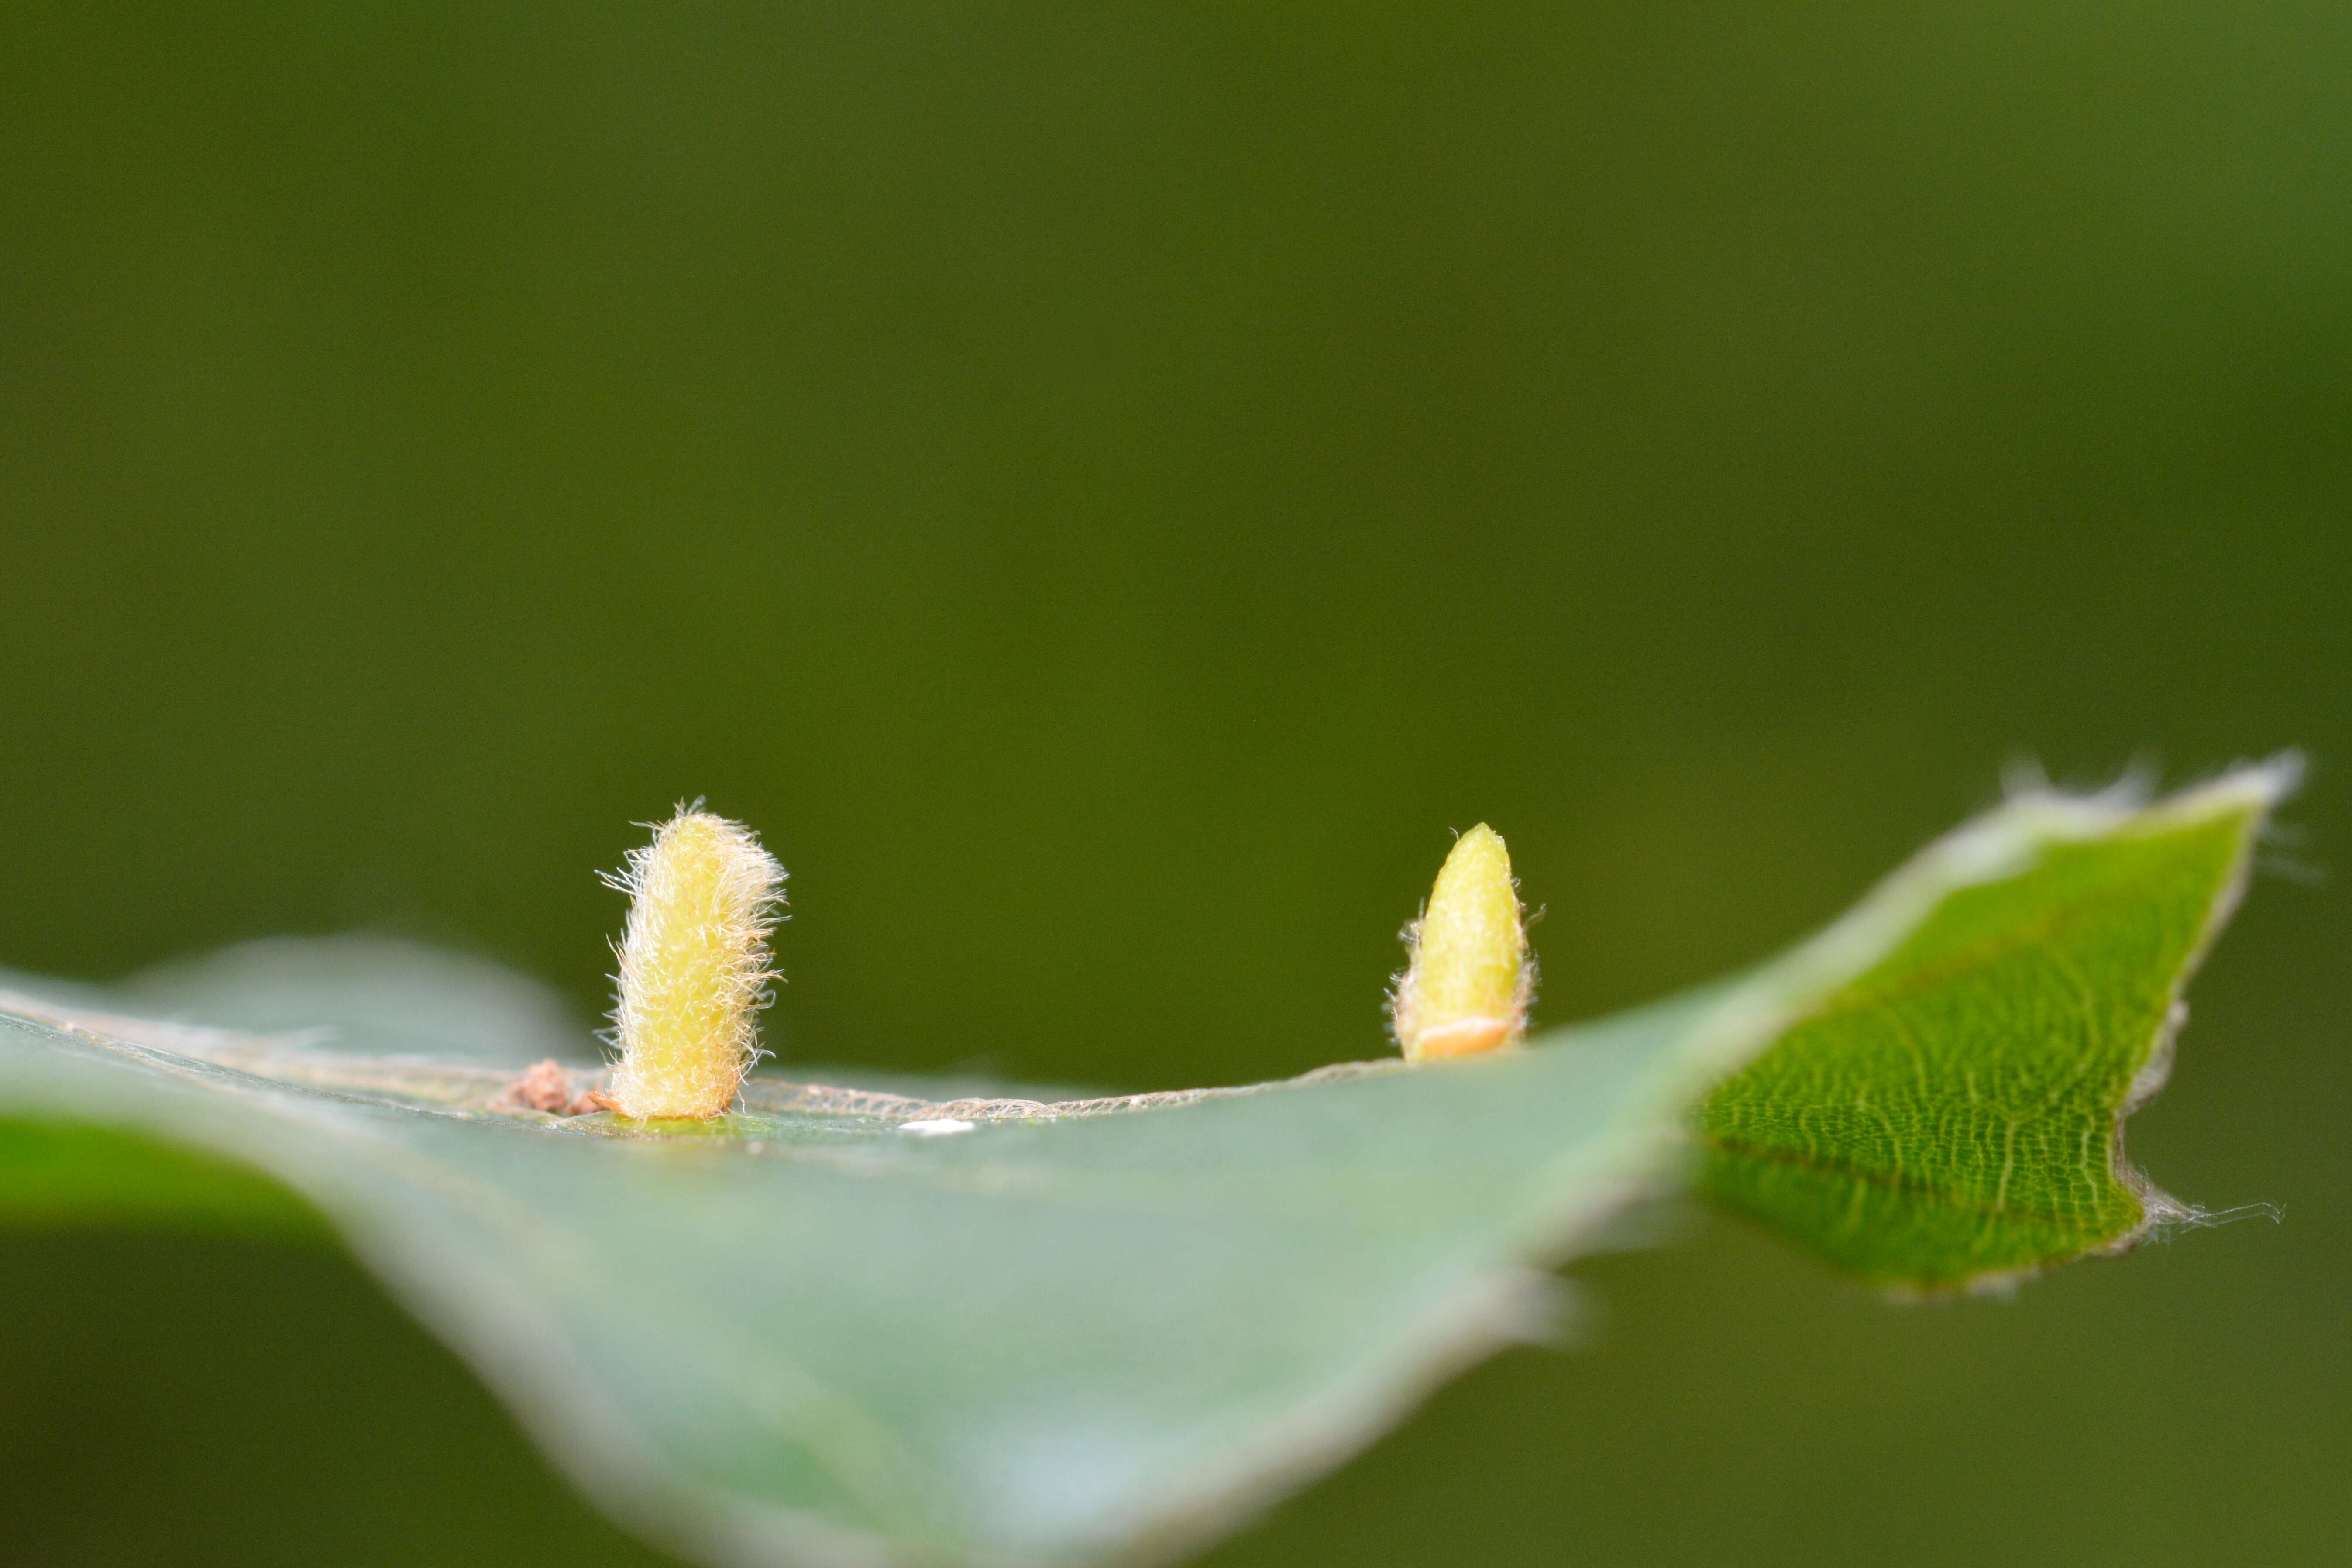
(694, 966)
(1469, 981)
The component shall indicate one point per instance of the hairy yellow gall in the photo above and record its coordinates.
(694, 966)
(1468, 982)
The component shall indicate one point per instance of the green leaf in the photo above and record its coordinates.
(1955, 1118)
(54, 1174)
(818, 1331)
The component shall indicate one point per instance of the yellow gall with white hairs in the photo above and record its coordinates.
(1469, 981)
(695, 970)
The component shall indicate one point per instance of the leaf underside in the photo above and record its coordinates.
(805, 1334)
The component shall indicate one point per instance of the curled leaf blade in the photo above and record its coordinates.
(1955, 1117)
(1077, 1330)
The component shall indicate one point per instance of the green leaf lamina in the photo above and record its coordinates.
(859, 1327)
(1955, 1115)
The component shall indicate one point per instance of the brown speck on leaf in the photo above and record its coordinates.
(544, 1086)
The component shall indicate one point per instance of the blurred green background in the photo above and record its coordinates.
(1104, 489)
